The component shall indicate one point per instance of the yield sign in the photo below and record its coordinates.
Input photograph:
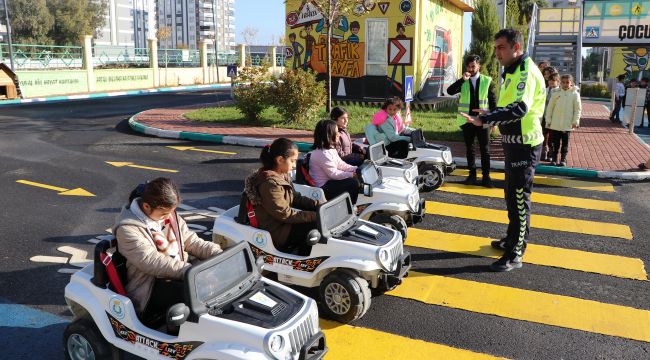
(399, 51)
(308, 13)
(383, 6)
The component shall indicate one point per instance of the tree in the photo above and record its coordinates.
(74, 18)
(249, 34)
(30, 22)
(484, 26)
(331, 10)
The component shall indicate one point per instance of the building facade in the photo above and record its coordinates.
(190, 21)
(128, 23)
(379, 44)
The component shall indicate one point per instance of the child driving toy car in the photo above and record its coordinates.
(274, 199)
(156, 244)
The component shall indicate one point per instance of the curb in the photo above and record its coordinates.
(305, 147)
(213, 138)
(141, 92)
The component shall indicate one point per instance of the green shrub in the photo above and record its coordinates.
(298, 97)
(252, 91)
(595, 91)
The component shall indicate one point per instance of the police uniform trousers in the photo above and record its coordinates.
(520, 163)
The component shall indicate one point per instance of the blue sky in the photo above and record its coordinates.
(268, 17)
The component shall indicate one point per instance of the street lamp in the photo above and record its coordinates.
(11, 49)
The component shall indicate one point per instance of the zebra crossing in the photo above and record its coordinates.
(370, 339)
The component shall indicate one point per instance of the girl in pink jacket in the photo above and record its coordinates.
(326, 167)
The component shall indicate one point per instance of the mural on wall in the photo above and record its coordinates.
(631, 61)
(376, 45)
(442, 50)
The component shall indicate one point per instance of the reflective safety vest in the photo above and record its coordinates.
(464, 100)
(525, 84)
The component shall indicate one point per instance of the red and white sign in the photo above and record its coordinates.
(288, 52)
(308, 13)
(408, 20)
(292, 18)
(399, 51)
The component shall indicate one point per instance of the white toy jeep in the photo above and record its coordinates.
(387, 201)
(231, 312)
(345, 258)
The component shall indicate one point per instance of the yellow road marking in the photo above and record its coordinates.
(132, 165)
(527, 305)
(62, 191)
(192, 148)
(536, 197)
(536, 221)
(551, 181)
(351, 342)
(619, 266)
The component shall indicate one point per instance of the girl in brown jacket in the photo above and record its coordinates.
(271, 192)
(156, 258)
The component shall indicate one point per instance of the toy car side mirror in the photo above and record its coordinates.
(313, 237)
(367, 190)
(177, 314)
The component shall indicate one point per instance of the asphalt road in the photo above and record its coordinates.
(67, 145)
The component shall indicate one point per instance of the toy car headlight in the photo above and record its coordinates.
(408, 175)
(384, 258)
(446, 156)
(276, 343)
(413, 201)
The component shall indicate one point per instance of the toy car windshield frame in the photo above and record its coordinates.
(361, 170)
(377, 153)
(417, 138)
(331, 218)
(228, 257)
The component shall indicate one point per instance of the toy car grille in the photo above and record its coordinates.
(395, 252)
(299, 336)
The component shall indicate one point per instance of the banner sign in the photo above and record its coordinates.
(616, 22)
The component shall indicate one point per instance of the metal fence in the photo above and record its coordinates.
(179, 58)
(120, 56)
(39, 57)
(224, 59)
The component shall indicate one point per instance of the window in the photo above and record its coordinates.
(377, 47)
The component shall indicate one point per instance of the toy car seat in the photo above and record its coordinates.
(302, 171)
(109, 270)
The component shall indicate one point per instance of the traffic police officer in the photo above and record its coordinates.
(476, 92)
(518, 114)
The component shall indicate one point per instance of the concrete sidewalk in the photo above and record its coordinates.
(598, 148)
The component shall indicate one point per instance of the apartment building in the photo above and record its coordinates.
(128, 23)
(190, 21)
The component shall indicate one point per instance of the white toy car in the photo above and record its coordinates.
(434, 162)
(346, 259)
(393, 168)
(387, 201)
(232, 313)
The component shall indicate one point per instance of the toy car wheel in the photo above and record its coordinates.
(83, 341)
(394, 222)
(432, 176)
(344, 297)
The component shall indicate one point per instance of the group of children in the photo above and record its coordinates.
(561, 116)
(332, 167)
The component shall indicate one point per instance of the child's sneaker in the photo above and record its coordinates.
(562, 163)
(553, 163)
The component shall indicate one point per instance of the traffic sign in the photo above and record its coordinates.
(408, 88)
(405, 6)
(232, 71)
(399, 51)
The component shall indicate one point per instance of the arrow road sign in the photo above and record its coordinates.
(60, 190)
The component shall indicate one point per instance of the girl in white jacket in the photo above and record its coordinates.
(562, 116)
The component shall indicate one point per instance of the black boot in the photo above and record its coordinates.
(471, 179)
(486, 181)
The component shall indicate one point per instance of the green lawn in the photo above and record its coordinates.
(437, 125)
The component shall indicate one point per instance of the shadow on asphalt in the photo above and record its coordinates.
(44, 343)
(220, 185)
